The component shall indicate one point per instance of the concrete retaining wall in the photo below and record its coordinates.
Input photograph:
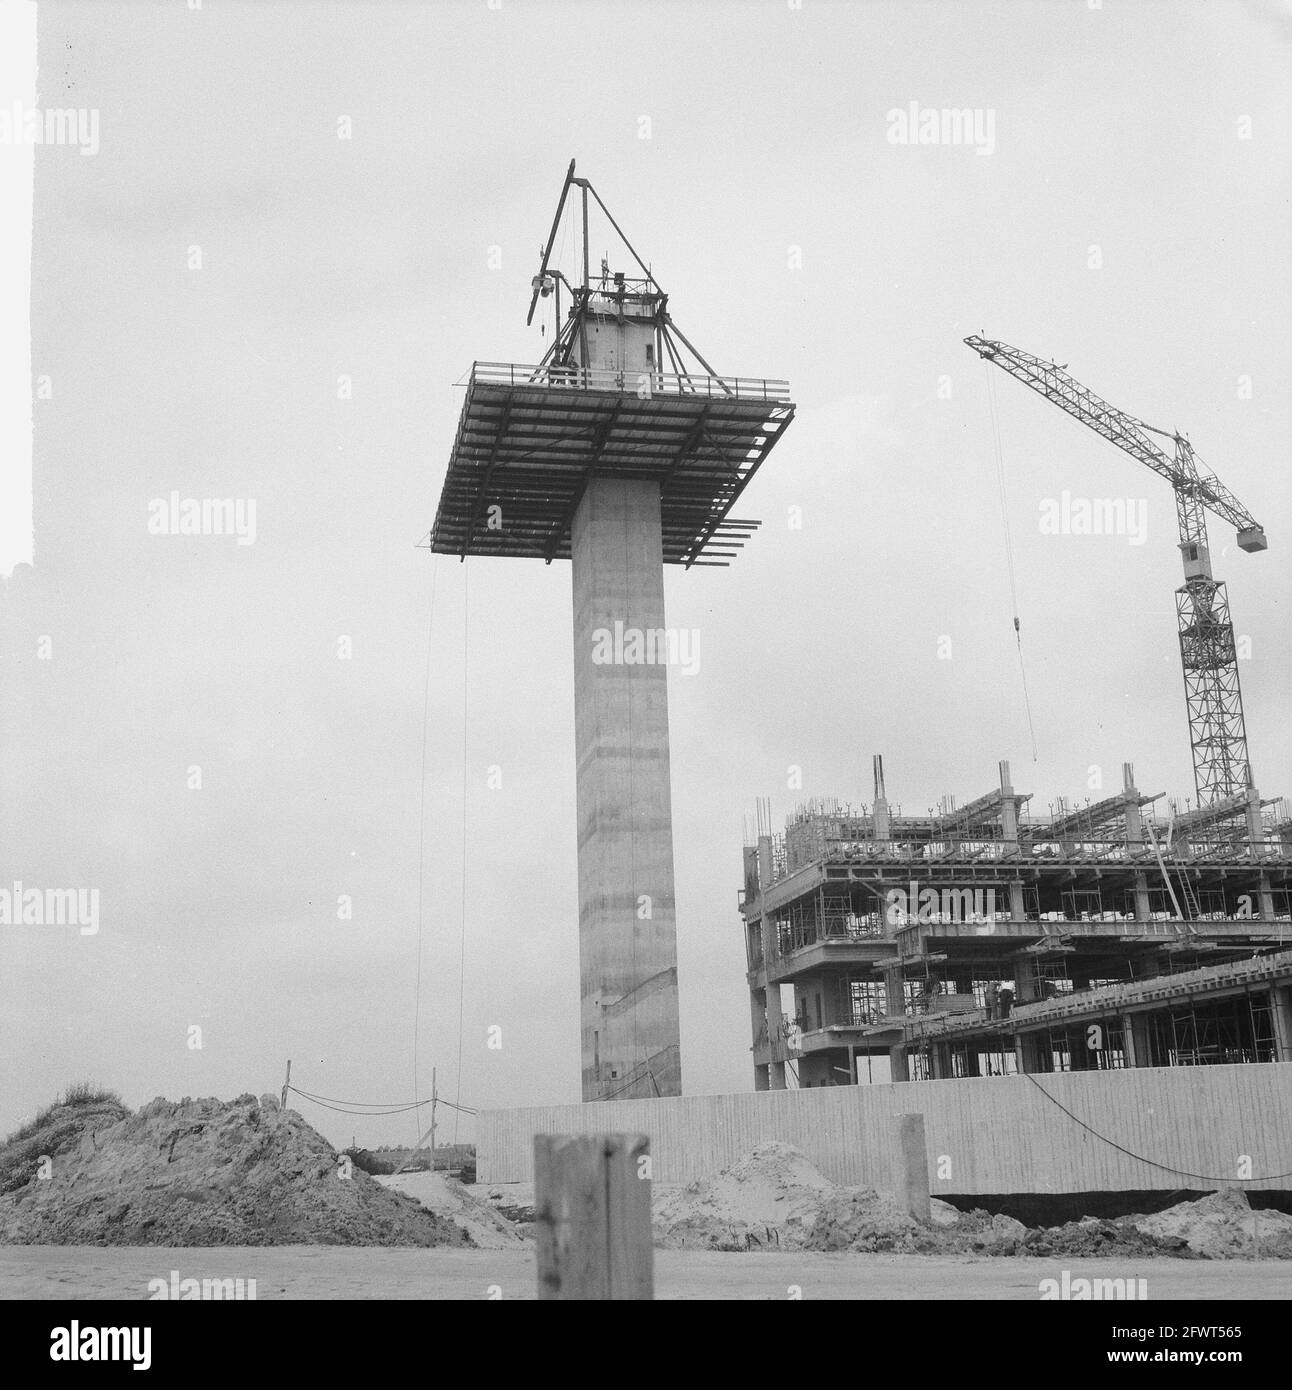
(985, 1135)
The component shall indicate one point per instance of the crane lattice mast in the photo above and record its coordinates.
(1213, 696)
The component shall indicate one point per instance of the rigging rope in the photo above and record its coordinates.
(1009, 548)
(462, 939)
(421, 823)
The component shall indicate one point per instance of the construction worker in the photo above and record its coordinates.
(1006, 998)
(991, 994)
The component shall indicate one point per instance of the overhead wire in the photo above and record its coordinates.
(374, 1107)
(1139, 1158)
(1009, 549)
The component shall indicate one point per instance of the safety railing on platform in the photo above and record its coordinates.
(646, 384)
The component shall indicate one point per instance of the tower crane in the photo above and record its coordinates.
(1217, 731)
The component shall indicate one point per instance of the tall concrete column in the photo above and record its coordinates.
(1142, 910)
(1265, 897)
(1017, 904)
(1129, 1051)
(627, 924)
(771, 954)
(881, 816)
(1008, 813)
(1281, 1011)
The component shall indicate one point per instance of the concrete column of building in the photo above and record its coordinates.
(1142, 911)
(1138, 1035)
(627, 923)
(1017, 907)
(1030, 1051)
(1281, 1011)
(775, 1070)
(758, 1027)
(1255, 830)
(895, 1005)
(1265, 896)
(1008, 816)
(880, 816)
(1027, 982)
(812, 1002)
(1128, 1040)
(1130, 793)
(894, 991)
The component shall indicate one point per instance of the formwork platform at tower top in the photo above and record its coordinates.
(621, 393)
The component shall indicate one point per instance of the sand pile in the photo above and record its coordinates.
(448, 1198)
(1222, 1226)
(196, 1172)
(774, 1199)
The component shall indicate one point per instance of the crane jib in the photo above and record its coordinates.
(1209, 658)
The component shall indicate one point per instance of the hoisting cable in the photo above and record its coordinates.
(1009, 548)
(421, 823)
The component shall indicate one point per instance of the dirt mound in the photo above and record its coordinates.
(1092, 1237)
(855, 1218)
(57, 1130)
(1222, 1226)
(447, 1197)
(196, 1172)
(774, 1199)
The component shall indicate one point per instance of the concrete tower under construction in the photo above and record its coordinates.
(621, 451)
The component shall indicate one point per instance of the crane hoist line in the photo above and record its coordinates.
(1213, 696)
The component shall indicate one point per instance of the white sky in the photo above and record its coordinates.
(1117, 127)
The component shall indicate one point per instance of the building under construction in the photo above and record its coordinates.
(986, 940)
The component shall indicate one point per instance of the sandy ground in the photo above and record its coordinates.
(446, 1196)
(311, 1271)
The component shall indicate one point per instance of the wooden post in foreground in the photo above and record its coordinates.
(592, 1211)
(911, 1165)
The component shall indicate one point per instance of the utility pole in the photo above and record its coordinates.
(287, 1081)
(422, 1137)
(434, 1097)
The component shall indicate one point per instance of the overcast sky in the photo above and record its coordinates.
(1128, 217)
